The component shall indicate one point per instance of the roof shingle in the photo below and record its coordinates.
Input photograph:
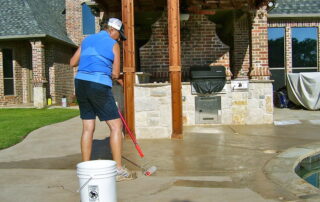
(33, 17)
(296, 7)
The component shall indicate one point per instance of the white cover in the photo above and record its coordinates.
(304, 89)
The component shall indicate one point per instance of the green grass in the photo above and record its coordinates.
(16, 124)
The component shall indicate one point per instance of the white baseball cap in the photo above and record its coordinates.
(117, 24)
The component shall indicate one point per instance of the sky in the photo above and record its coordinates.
(300, 33)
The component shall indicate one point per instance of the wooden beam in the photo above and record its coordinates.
(175, 67)
(129, 66)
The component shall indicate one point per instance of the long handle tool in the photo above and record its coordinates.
(131, 135)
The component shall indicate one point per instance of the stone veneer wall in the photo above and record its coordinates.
(254, 106)
(153, 111)
(200, 45)
(153, 107)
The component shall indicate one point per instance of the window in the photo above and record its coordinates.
(276, 47)
(88, 20)
(8, 72)
(304, 47)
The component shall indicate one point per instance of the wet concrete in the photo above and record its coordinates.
(211, 163)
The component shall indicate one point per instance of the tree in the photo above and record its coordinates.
(304, 53)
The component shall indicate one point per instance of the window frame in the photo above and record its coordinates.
(284, 48)
(13, 72)
(297, 68)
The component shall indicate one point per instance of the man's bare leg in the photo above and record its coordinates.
(115, 126)
(86, 139)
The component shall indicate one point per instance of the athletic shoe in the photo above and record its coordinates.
(123, 174)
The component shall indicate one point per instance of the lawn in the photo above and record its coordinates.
(16, 124)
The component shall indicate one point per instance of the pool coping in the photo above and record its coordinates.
(281, 170)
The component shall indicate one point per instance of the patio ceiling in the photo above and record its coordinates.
(191, 6)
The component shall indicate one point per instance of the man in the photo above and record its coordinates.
(98, 58)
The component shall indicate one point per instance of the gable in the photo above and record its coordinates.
(33, 18)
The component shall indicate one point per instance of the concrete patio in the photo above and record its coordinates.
(211, 163)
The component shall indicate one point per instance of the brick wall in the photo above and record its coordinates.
(38, 62)
(49, 67)
(74, 20)
(26, 68)
(25, 78)
(1, 78)
(20, 50)
(17, 65)
(241, 52)
(61, 74)
(288, 24)
(199, 46)
(259, 45)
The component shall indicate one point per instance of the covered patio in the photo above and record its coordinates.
(166, 38)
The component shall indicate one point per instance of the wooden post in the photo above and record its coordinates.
(129, 62)
(175, 67)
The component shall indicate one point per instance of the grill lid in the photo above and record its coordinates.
(206, 72)
(208, 79)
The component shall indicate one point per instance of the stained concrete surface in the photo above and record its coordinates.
(211, 163)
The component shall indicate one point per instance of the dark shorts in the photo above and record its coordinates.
(95, 99)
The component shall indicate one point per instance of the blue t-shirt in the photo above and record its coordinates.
(96, 59)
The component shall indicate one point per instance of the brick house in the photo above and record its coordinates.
(37, 39)
(41, 37)
(294, 38)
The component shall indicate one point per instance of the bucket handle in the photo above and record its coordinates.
(85, 184)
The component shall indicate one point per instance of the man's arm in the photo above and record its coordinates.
(116, 65)
(74, 61)
(116, 62)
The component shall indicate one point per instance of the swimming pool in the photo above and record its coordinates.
(309, 170)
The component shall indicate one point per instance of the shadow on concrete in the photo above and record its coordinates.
(100, 150)
(64, 162)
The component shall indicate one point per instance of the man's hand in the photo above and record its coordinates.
(120, 81)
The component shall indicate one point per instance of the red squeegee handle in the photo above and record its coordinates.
(131, 135)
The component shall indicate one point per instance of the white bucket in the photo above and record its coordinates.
(97, 181)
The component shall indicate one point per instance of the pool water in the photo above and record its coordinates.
(309, 170)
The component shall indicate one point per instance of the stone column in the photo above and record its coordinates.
(259, 45)
(39, 79)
